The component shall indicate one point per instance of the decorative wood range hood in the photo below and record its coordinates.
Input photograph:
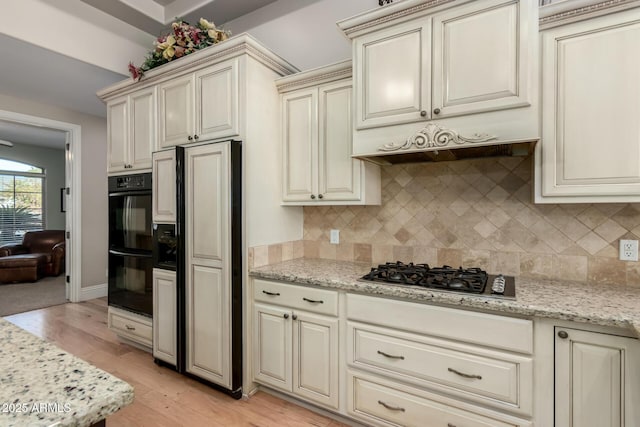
(445, 80)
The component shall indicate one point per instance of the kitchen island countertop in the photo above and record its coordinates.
(607, 305)
(42, 385)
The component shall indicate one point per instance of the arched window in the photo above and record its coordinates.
(21, 200)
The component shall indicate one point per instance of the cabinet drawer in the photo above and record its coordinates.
(124, 324)
(385, 403)
(464, 370)
(480, 328)
(300, 297)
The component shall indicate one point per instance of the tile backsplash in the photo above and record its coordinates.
(477, 213)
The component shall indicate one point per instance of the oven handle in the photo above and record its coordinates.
(133, 254)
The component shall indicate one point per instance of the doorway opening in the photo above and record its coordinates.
(70, 195)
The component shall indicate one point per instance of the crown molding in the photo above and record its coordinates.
(564, 12)
(326, 74)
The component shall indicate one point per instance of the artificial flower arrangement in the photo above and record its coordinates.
(183, 40)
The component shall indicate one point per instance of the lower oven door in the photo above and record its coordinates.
(130, 281)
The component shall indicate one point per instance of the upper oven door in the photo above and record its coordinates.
(130, 221)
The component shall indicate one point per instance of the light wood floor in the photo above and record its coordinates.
(162, 397)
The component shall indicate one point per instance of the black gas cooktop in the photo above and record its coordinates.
(466, 280)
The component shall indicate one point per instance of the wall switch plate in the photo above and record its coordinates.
(628, 250)
(334, 237)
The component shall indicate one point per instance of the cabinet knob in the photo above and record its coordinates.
(563, 334)
(196, 137)
(423, 113)
(436, 111)
(294, 317)
(320, 196)
(286, 315)
(313, 196)
(190, 138)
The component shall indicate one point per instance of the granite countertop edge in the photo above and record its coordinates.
(605, 305)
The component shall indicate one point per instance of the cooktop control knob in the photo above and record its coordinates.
(497, 287)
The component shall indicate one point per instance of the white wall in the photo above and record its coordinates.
(303, 32)
(52, 161)
(94, 181)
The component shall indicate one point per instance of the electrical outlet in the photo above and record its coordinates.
(334, 237)
(629, 250)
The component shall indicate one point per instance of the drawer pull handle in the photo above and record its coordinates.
(391, 407)
(129, 328)
(451, 425)
(275, 294)
(390, 356)
(475, 377)
(319, 301)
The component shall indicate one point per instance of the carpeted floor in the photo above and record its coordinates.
(21, 297)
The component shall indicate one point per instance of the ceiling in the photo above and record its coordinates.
(30, 72)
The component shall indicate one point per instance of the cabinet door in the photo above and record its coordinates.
(217, 101)
(597, 379)
(208, 272)
(315, 358)
(165, 320)
(392, 73)
(591, 105)
(117, 135)
(300, 150)
(480, 57)
(142, 122)
(164, 187)
(176, 119)
(272, 360)
(339, 174)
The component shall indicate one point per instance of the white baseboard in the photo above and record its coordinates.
(93, 292)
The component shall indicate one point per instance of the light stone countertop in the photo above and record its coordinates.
(42, 385)
(605, 305)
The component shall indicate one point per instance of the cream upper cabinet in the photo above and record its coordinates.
(317, 135)
(392, 74)
(176, 111)
(480, 58)
(164, 187)
(597, 379)
(591, 103)
(466, 59)
(131, 131)
(200, 106)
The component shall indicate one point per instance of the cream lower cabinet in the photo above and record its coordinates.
(165, 319)
(317, 141)
(294, 350)
(199, 106)
(131, 131)
(424, 365)
(597, 379)
(590, 148)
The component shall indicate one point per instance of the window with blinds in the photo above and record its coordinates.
(21, 200)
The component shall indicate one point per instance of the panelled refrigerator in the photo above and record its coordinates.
(200, 332)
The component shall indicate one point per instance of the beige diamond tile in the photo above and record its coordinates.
(550, 235)
(471, 195)
(498, 217)
(413, 207)
(497, 195)
(483, 185)
(511, 163)
(592, 243)
(628, 217)
(414, 187)
(507, 263)
(527, 217)
(610, 230)
(610, 209)
(403, 178)
(459, 207)
(402, 235)
(422, 238)
(592, 217)
(382, 253)
(485, 228)
(403, 198)
(403, 253)
(425, 255)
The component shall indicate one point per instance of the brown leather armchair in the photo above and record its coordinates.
(48, 244)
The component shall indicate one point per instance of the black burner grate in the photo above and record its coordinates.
(472, 280)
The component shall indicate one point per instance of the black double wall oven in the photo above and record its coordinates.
(130, 243)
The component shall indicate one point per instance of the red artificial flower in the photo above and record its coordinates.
(136, 72)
